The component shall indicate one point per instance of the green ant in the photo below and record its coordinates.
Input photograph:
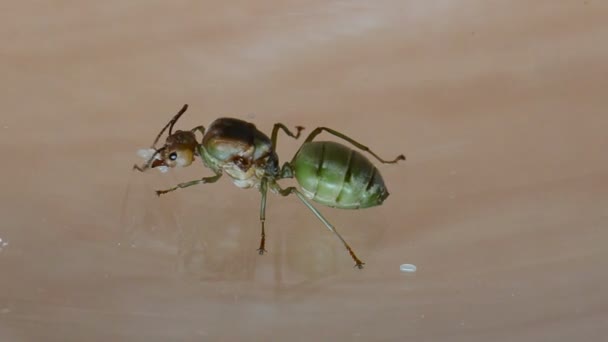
(328, 173)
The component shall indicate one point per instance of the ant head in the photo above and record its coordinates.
(179, 148)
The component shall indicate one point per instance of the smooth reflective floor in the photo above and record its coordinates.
(500, 108)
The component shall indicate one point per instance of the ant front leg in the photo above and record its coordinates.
(199, 129)
(205, 180)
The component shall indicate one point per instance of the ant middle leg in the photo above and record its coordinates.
(275, 132)
(318, 131)
(264, 191)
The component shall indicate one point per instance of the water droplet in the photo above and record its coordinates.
(3, 243)
(409, 268)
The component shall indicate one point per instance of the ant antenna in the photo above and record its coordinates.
(170, 125)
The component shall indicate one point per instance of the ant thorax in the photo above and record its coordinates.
(238, 149)
(244, 179)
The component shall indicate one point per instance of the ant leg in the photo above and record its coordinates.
(292, 190)
(275, 132)
(199, 128)
(263, 190)
(205, 180)
(318, 131)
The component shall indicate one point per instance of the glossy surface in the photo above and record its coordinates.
(499, 106)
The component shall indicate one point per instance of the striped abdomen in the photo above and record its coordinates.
(337, 176)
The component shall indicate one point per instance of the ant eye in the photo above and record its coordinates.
(173, 156)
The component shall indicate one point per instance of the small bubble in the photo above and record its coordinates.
(409, 268)
(3, 243)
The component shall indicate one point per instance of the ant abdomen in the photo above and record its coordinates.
(337, 176)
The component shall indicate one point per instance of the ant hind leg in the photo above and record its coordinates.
(318, 131)
(292, 190)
